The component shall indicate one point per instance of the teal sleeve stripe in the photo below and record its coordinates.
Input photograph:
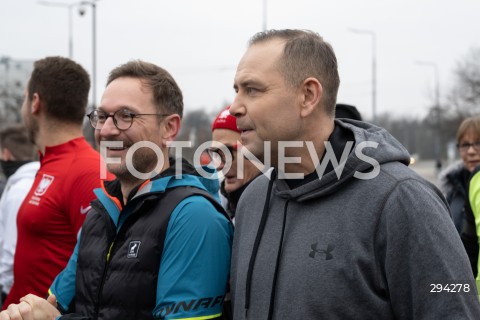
(195, 263)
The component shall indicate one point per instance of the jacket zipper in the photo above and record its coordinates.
(104, 212)
(97, 306)
(107, 262)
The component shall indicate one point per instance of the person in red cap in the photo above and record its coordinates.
(226, 137)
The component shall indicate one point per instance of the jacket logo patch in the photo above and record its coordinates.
(190, 305)
(43, 185)
(133, 248)
(327, 252)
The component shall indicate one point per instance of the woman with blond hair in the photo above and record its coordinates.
(454, 179)
(454, 183)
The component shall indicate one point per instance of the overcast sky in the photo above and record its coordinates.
(201, 41)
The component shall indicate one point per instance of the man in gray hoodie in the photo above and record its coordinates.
(342, 229)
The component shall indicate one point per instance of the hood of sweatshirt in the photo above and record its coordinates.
(372, 146)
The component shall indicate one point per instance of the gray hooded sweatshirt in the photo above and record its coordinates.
(376, 243)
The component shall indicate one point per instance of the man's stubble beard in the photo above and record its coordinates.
(32, 129)
(144, 162)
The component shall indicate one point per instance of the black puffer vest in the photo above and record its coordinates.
(117, 273)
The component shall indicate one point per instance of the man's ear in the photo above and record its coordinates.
(312, 92)
(36, 104)
(7, 155)
(171, 127)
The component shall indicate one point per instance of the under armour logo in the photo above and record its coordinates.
(327, 252)
(133, 248)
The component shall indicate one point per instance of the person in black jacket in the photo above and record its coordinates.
(454, 179)
(136, 258)
(468, 144)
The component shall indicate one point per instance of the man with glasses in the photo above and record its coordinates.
(145, 251)
(224, 154)
(53, 211)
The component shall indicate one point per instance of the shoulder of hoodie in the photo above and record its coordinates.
(395, 173)
(394, 168)
(28, 170)
(392, 175)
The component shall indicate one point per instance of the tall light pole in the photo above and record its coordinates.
(69, 6)
(94, 46)
(81, 11)
(374, 69)
(264, 19)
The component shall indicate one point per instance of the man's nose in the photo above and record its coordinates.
(237, 108)
(109, 128)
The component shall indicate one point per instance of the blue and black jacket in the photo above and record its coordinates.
(124, 268)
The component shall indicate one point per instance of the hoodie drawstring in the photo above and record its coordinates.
(256, 244)
(277, 263)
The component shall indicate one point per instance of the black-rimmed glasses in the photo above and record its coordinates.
(122, 118)
(463, 147)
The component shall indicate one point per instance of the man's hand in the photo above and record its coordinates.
(31, 307)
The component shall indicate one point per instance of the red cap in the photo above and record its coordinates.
(225, 120)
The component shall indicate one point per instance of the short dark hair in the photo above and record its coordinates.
(167, 96)
(15, 139)
(305, 55)
(62, 85)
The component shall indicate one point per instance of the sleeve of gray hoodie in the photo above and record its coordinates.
(419, 252)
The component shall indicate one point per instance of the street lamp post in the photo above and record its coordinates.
(374, 69)
(264, 20)
(88, 130)
(69, 6)
(94, 47)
